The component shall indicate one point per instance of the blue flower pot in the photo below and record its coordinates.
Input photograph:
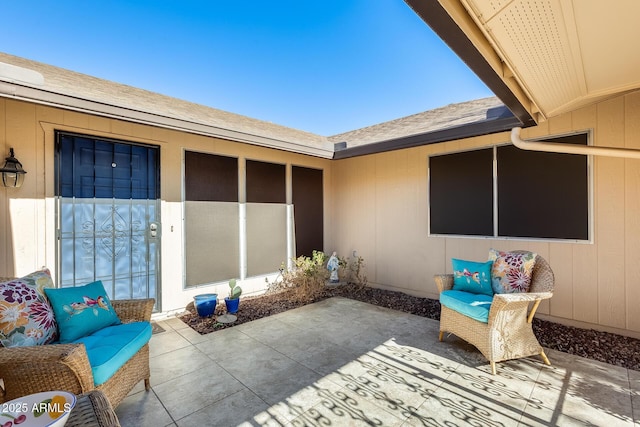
(205, 304)
(232, 305)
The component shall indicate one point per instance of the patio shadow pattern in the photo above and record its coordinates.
(343, 362)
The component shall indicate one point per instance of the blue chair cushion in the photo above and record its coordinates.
(471, 305)
(111, 347)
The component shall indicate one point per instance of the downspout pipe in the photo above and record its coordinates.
(554, 147)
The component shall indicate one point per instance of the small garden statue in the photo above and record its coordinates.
(332, 266)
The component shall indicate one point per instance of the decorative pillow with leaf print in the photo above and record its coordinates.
(511, 271)
(26, 317)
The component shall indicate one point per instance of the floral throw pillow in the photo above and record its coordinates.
(511, 271)
(26, 317)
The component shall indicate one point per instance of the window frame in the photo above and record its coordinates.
(589, 182)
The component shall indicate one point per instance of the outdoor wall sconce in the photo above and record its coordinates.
(12, 172)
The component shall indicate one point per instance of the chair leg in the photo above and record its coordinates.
(441, 336)
(493, 368)
(544, 357)
(147, 384)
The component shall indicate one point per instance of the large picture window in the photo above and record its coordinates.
(529, 194)
(211, 218)
(266, 217)
(308, 210)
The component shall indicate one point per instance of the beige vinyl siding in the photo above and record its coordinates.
(632, 213)
(381, 208)
(375, 204)
(27, 214)
(610, 184)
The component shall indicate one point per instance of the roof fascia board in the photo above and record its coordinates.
(450, 134)
(455, 27)
(52, 99)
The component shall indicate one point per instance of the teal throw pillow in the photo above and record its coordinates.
(470, 276)
(81, 310)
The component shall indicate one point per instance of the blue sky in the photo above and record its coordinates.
(326, 66)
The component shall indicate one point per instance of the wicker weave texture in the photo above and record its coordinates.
(508, 334)
(27, 370)
(131, 373)
(93, 409)
(133, 310)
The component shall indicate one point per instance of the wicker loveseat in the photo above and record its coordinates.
(508, 333)
(31, 369)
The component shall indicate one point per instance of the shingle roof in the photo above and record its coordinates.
(428, 121)
(25, 79)
(103, 93)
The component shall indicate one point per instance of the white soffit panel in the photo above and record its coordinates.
(564, 53)
(532, 38)
(608, 33)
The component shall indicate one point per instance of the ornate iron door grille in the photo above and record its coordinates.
(108, 215)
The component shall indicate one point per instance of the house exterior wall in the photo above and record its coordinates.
(381, 204)
(27, 214)
(376, 205)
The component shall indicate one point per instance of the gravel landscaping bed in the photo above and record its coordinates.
(602, 346)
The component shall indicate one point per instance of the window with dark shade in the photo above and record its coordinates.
(211, 218)
(308, 209)
(461, 193)
(543, 195)
(538, 194)
(266, 182)
(209, 177)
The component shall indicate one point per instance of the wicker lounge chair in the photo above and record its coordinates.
(508, 333)
(27, 370)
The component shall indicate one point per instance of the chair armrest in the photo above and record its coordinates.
(523, 296)
(27, 370)
(444, 282)
(133, 310)
(505, 303)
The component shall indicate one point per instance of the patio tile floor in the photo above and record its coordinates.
(342, 362)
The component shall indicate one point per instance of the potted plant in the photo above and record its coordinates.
(233, 300)
(205, 304)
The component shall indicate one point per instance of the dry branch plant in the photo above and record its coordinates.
(305, 281)
(308, 277)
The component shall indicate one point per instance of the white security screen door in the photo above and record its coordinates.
(108, 215)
